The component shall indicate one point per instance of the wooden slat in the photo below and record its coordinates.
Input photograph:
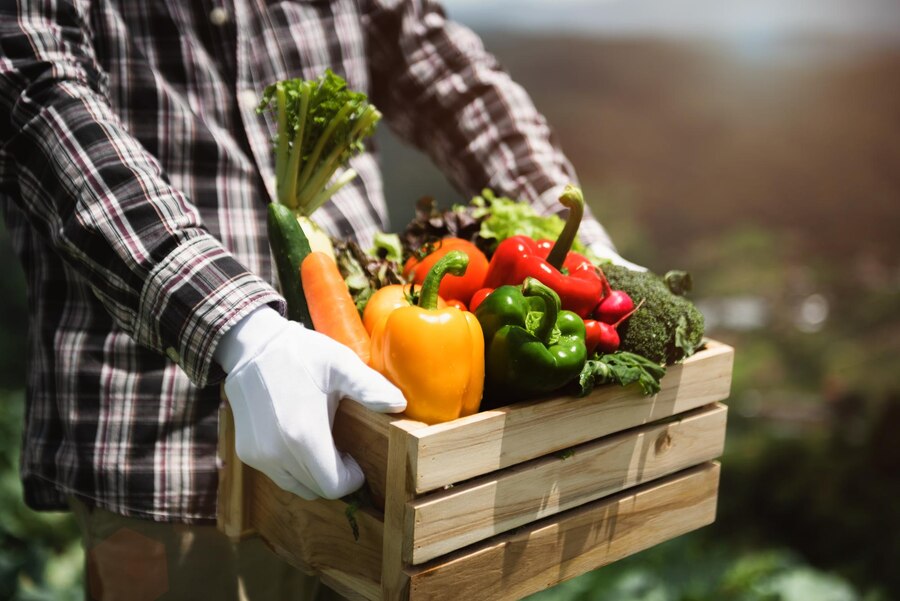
(364, 435)
(472, 446)
(449, 520)
(348, 587)
(551, 551)
(232, 512)
(397, 530)
(315, 536)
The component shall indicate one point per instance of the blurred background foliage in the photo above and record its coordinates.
(759, 151)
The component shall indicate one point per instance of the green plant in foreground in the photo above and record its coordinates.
(40, 553)
(689, 569)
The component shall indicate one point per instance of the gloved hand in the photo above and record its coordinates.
(284, 384)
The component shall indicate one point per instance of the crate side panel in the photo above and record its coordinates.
(364, 435)
(448, 520)
(570, 544)
(232, 512)
(316, 536)
(397, 531)
(469, 447)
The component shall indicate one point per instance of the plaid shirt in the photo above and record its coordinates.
(134, 177)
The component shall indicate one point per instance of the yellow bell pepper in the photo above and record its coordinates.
(435, 356)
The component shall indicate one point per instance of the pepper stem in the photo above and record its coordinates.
(454, 262)
(533, 287)
(574, 200)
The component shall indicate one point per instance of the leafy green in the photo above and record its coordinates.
(486, 221)
(621, 368)
(355, 501)
(365, 272)
(683, 338)
(350, 513)
(320, 125)
(431, 224)
(505, 217)
(566, 454)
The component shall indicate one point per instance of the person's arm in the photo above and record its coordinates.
(443, 92)
(101, 199)
(103, 203)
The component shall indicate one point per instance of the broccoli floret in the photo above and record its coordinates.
(667, 328)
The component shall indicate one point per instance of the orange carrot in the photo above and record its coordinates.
(331, 307)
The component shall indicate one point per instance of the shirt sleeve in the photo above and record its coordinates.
(440, 90)
(91, 189)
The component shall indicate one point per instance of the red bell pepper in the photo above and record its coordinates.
(478, 297)
(519, 257)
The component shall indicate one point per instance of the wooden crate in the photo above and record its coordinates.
(504, 503)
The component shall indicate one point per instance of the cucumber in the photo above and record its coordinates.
(289, 248)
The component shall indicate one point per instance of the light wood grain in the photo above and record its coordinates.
(472, 446)
(348, 587)
(404, 461)
(448, 520)
(364, 435)
(397, 528)
(231, 512)
(316, 537)
(553, 550)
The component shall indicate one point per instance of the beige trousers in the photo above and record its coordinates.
(129, 559)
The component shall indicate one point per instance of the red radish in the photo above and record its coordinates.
(602, 337)
(614, 307)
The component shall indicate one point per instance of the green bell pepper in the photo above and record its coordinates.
(531, 347)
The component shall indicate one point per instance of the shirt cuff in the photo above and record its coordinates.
(191, 298)
(246, 339)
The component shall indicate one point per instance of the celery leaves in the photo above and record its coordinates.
(320, 125)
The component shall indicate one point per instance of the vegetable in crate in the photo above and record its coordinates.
(331, 307)
(289, 248)
(452, 287)
(435, 356)
(668, 327)
(366, 272)
(320, 125)
(486, 221)
(431, 224)
(572, 276)
(603, 336)
(502, 218)
(621, 368)
(531, 346)
(384, 300)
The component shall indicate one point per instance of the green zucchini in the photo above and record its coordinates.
(289, 248)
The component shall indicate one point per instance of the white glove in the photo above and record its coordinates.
(284, 384)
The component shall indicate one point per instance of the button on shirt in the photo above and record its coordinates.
(134, 177)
